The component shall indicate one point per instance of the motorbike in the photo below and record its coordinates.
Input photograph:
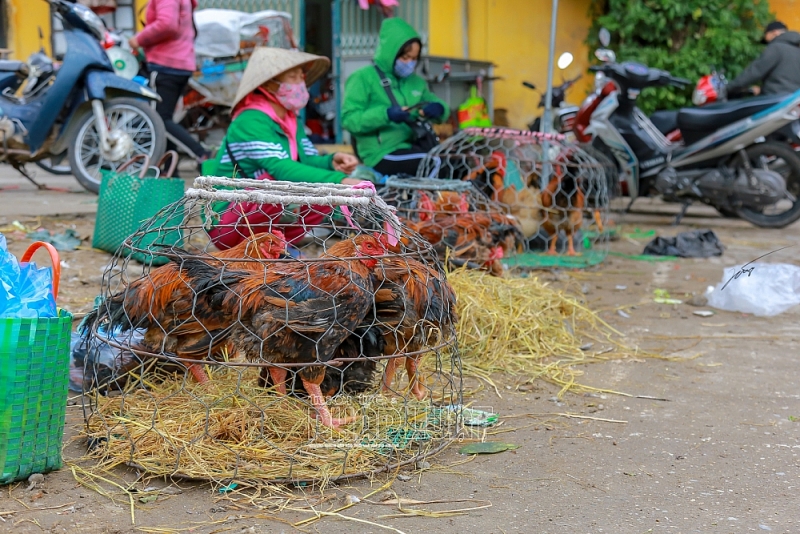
(34, 73)
(83, 110)
(563, 114)
(712, 91)
(725, 160)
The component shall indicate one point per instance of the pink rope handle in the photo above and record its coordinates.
(366, 184)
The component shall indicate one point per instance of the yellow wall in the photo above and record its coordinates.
(514, 35)
(24, 19)
(787, 11)
(445, 36)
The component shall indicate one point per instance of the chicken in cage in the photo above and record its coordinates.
(462, 225)
(263, 328)
(556, 190)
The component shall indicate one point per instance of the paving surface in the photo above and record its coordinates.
(721, 455)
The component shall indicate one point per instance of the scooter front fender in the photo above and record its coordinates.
(102, 85)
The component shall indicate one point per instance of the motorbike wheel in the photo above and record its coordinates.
(61, 168)
(133, 122)
(780, 158)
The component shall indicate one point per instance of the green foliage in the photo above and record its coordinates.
(685, 37)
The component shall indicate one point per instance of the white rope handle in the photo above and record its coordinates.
(209, 183)
(303, 193)
(258, 197)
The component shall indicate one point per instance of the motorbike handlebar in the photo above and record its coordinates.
(680, 82)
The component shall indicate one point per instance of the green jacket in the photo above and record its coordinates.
(365, 100)
(260, 146)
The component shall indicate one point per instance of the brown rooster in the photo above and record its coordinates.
(176, 319)
(476, 239)
(563, 204)
(424, 310)
(365, 345)
(298, 312)
(489, 177)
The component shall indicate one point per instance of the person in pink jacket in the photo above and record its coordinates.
(168, 43)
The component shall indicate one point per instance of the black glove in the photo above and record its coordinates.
(398, 114)
(433, 110)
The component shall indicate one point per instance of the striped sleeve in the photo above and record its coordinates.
(308, 147)
(255, 150)
(256, 145)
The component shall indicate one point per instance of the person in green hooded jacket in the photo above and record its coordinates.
(383, 138)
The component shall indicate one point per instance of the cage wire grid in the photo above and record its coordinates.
(462, 225)
(276, 356)
(557, 191)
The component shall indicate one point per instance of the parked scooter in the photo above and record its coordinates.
(563, 114)
(711, 92)
(32, 76)
(100, 119)
(725, 160)
(34, 73)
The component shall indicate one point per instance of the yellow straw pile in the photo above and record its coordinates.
(234, 429)
(522, 327)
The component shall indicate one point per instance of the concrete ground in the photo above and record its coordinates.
(719, 456)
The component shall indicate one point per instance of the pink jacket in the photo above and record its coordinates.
(168, 36)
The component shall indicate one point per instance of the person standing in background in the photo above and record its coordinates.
(776, 69)
(168, 43)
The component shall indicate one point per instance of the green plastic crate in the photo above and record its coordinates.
(34, 375)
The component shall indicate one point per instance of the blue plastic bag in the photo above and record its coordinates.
(26, 291)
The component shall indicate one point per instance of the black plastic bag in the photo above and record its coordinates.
(695, 244)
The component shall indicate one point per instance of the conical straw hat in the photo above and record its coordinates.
(267, 63)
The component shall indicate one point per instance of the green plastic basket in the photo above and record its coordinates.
(126, 201)
(34, 376)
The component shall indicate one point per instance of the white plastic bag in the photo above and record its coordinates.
(763, 289)
(220, 31)
(217, 32)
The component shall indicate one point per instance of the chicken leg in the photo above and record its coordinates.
(318, 400)
(552, 249)
(273, 376)
(414, 378)
(570, 245)
(198, 373)
(388, 375)
(278, 376)
(598, 220)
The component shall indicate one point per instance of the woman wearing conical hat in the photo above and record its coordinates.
(266, 141)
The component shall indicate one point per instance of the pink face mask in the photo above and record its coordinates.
(292, 96)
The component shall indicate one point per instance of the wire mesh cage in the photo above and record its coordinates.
(463, 225)
(556, 190)
(268, 348)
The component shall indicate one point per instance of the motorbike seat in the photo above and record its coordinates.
(665, 121)
(715, 116)
(9, 65)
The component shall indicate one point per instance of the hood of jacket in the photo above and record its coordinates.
(395, 32)
(790, 38)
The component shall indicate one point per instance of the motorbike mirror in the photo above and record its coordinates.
(605, 36)
(565, 60)
(605, 55)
